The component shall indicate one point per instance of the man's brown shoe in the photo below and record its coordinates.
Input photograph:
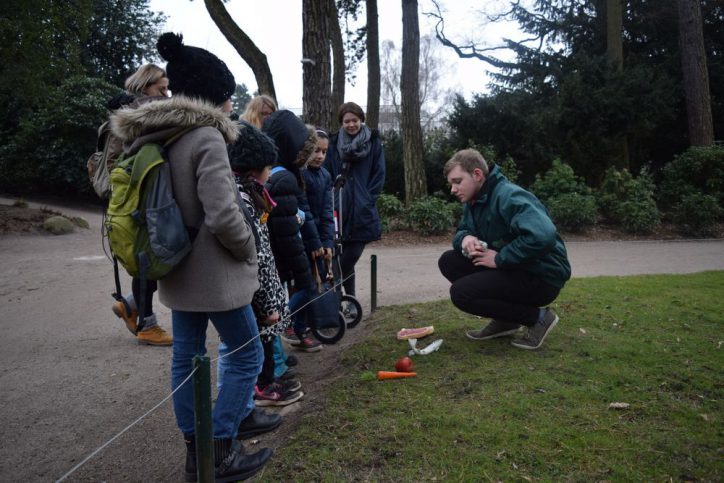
(121, 310)
(154, 336)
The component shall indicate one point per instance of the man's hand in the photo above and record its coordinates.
(472, 246)
(317, 253)
(486, 258)
(327, 253)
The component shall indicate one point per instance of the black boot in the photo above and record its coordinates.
(190, 468)
(258, 422)
(232, 464)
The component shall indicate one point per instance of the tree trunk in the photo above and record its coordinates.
(614, 54)
(338, 68)
(246, 48)
(696, 77)
(614, 28)
(316, 97)
(412, 148)
(373, 66)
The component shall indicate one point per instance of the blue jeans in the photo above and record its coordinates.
(236, 328)
(297, 300)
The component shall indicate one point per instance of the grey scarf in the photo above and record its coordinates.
(354, 148)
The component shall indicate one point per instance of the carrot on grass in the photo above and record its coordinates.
(382, 375)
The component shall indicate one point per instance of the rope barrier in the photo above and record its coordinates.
(103, 446)
(267, 330)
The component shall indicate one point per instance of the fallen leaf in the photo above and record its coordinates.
(618, 405)
(582, 330)
(705, 417)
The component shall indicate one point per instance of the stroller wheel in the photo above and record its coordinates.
(351, 310)
(327, 334)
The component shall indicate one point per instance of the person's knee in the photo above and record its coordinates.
(445, 263)
(459, 298)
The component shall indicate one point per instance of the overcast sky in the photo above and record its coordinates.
(276, 28)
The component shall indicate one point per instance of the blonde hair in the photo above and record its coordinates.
(145, 76)
(468, 160)
(252, 113)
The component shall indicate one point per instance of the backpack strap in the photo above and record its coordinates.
(192, 230)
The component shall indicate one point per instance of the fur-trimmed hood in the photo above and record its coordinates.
(161, 116)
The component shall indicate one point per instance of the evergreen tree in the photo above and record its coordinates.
(561, 98)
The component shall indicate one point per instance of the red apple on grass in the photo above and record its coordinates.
(404, 365)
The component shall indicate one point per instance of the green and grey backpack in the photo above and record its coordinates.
(145, 230)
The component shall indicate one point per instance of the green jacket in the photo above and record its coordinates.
(515, 223)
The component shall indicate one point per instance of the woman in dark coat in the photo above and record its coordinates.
(355, 153)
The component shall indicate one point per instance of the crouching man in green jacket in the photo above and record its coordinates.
(508, 261)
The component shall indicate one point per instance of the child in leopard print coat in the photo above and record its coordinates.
(251, 158)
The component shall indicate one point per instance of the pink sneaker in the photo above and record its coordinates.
(275, 395)
(308, 345)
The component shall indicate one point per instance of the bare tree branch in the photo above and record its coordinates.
(470, 51)
(246, 48)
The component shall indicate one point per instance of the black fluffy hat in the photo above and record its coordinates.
(252, 151)
(195, 72)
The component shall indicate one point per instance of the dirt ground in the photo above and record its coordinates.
(72, 376)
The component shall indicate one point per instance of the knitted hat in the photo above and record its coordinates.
(195, 72)
(252, 151)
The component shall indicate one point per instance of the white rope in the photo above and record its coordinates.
(266, 330)
(103, 446)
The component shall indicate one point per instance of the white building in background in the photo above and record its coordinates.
(390, 120)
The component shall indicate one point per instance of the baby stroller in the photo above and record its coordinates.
(324, 318)
(331, 312)
(349, 307)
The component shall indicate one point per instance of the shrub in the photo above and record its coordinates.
(573, 211)
(697, 170)
(391, 210)
(510, 169)
(430, 216)
(569, 200)
(639, 216)
(697, 214)
(629, 201)
(456, 211)
(613, 191)
(557, 181)
(49, 152)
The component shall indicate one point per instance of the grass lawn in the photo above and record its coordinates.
(482, 411)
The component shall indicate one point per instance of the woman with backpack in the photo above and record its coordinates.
(149, 83)
(217, 279)
(355, 153)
